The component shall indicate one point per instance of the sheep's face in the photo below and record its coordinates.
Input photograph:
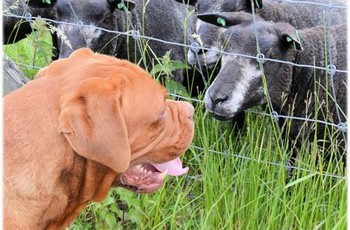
(239, 84)
(207, 35)
(214, 6)
(80, 22)
(93, 15)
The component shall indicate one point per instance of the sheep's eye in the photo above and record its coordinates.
(107, 18)
(196, 7)
(98, 16)
(55, 14)
(58, 12)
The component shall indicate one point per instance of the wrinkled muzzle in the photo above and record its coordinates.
(149, 177)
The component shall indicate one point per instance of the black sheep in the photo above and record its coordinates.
(293, 90)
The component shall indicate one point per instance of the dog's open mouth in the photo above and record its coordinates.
(147, 178)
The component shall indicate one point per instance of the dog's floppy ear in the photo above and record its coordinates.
(92, 122)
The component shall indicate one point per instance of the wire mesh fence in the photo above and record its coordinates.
(135, 33)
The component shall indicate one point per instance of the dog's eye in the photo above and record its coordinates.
(163, 114)
(160, 119)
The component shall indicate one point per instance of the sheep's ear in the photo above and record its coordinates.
(257, 3)
(92, 122)
(41, 3)
(215, 19)
(226, 19)
(289, 35)
(188, 2)
(122, 4)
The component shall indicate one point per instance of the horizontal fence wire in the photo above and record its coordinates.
(326, 5)
(342, 126)
(136, 35)
(288, 167)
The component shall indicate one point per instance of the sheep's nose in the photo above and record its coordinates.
(219, 100)
(197, 49)
(202, 51)
(214, 101)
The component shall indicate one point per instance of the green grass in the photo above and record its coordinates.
(33, 52)
(232, 183)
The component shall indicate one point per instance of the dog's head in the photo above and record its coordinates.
(114, 113)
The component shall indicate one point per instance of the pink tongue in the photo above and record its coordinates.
(174, 167)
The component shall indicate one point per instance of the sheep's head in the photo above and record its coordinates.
(206, 6)
(206, 35)
(206, 46)
(239, 84)
(79, 23)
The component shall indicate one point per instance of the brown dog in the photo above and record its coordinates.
(87, 123)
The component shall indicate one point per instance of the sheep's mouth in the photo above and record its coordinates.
(148, 178)
(229, 115)
(221, 117)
